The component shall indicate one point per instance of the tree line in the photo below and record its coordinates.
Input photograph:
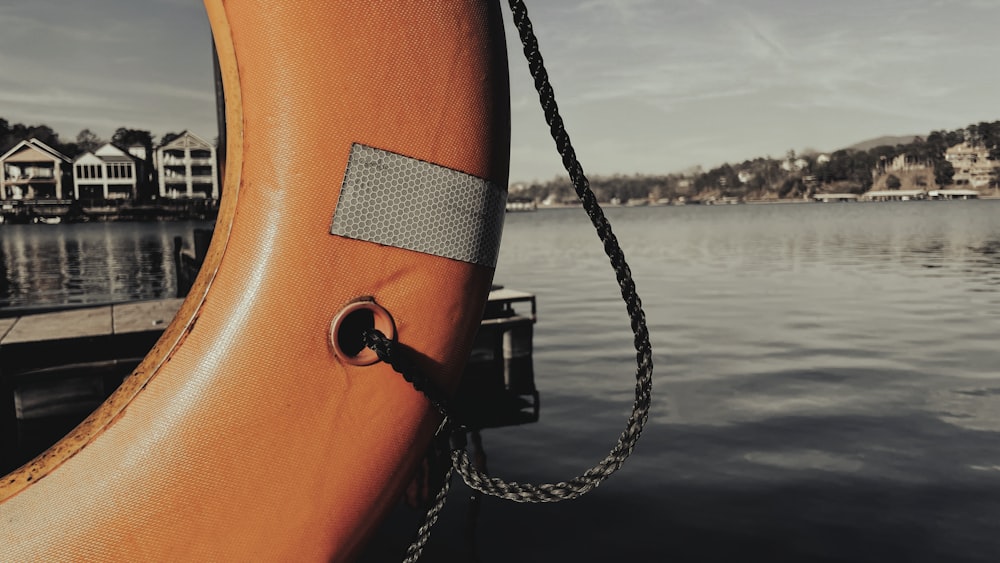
(85, 141)
(846, 170)
(794, 176)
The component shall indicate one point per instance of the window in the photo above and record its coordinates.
(119, 170)
(173, 172)
(173, 156)
(200, 190)
(91, 191)
(40, 172)
(88, 171)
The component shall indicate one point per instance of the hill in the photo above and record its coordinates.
(884, 140)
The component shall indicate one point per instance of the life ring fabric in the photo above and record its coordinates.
(242, 436)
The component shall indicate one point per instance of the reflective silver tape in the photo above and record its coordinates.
(395, 200)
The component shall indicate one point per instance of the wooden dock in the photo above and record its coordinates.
(57, 367)
(88, 322)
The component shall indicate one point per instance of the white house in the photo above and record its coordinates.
(188, 168)
(794, 165)
(107, 173)
(34, 170)
(972, 165)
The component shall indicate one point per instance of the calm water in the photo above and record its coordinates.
(827, 380)
(42, 265)
(827, 389)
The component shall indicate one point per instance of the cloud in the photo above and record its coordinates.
(165, 90)
(53, 97)
(760, 37)
(652, 84)
(39, 26)
(624, 11)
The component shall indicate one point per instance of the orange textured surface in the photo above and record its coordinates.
(241, 436)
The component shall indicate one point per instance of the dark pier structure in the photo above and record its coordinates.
(57, 365)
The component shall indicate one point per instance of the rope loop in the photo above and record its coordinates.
(591, 478)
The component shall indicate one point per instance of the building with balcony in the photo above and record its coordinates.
(902, 163)
(187, 168)
(32, 170)
(971, 163)
(108, 173)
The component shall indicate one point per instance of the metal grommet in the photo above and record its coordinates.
(348, 326)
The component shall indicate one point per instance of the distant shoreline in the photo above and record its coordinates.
(59, 211)
(609, 205)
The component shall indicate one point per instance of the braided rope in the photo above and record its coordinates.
(385, 349)
(590, 479)
(424, 531)
(594, 476)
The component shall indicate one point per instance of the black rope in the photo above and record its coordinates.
(385, 349)
(430, 518)
(644, 354)
(572, 488)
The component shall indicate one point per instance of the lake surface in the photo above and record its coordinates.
(827, 388)
(827, 383)
(43, 265)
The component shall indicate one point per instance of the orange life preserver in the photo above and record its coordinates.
(368, 149)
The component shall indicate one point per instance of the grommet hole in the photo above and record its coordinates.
(350, 336)
(348, 329)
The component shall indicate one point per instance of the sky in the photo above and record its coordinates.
(644, 86)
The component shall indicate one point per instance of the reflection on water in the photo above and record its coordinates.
(88, 263)
(825, 390)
